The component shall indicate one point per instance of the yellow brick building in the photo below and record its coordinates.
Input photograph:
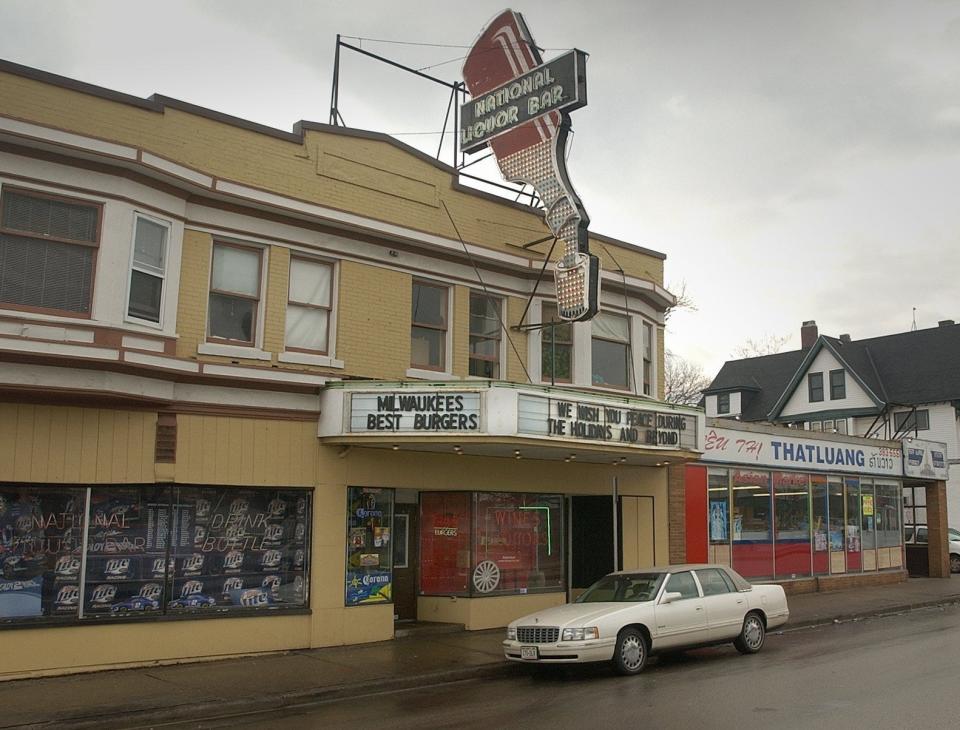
(231, 356)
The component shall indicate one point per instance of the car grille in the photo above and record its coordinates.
(538, 634)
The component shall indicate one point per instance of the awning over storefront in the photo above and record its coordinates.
(499, 419)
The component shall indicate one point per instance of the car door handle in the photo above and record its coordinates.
(699, 608)
(739, 601)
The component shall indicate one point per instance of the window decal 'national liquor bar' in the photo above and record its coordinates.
(520, 108)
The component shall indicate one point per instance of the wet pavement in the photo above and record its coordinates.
(145, 696)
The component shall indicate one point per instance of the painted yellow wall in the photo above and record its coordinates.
(40, 443)
(245, 451)
(477, 614)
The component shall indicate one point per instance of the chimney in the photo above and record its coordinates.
(808, 334)
(945, 322)
(844, 338)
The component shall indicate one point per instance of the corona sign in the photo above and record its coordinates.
(520, 109)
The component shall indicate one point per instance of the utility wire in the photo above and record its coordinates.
(626, 306)
(438, 45)
(498, 302)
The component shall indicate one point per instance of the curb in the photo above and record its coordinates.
(122, 716)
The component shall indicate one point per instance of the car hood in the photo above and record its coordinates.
(573, 614)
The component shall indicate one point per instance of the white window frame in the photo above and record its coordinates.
(631, 362)
(127, 317)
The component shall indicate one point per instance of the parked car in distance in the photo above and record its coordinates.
(626, 616)
(917, 535)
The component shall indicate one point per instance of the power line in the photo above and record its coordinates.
(433, 45)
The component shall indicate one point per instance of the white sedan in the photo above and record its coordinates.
(625, 616)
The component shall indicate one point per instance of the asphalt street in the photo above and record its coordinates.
(891, 672)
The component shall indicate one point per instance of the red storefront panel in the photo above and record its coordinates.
(696, 514)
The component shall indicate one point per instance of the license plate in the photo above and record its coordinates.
(529, 652)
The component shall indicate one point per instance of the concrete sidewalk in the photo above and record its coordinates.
(141, 697)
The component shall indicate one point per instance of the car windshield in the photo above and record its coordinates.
(623, 588)
(954, 534)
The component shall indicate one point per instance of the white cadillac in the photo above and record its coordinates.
(625, 616)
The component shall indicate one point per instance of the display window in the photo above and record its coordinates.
(152, 551)
(718, 508)
(369, 546)
(445, 560)
(41, 540)
(491, 543)
(791, 509)
(752, 544)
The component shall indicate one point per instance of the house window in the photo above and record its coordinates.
(556, 352)
(148, 269)
(841, 425)
(816, 425)
(484, 336)
(815, 387)
(308, 305)
(723, 403)
(647, 357)
(234, 293)
(610, 351)
(838, 385)
(48, 248)
(912, 421)
(428, 332)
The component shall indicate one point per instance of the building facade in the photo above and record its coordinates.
(905, 385)
(265, 390)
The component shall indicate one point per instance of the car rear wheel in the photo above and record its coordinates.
(751, 637)
(954, 563)
(631, 653)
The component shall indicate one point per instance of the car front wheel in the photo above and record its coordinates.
(752, 635)
(630, 656)
(954, 563)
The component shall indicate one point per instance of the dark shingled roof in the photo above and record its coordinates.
(908, 368)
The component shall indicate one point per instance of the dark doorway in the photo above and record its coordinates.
(591, 540)
(405, 561)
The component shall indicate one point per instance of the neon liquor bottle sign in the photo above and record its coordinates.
(520, 108)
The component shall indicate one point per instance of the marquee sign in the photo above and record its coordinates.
(577, 420)
(520, 109)
(415, 412)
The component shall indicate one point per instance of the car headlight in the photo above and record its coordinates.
(512, 633)
(591, 632)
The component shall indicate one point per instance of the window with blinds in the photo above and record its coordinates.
(47, 251)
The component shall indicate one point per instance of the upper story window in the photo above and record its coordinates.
(723, 403)
(234, 293)
(647, 357)
(912, 420)
(428, 330)
(838, 385)
(815, 387)
(309, 305)
(485, 335)
(148, 269)
(556, 350)
(48, 248)
(610, 350)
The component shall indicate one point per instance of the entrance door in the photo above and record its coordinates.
(405, 561)
(636, 533)
(591, 541)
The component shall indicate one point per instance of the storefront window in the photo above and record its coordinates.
(445, 543)
(153, 550)
(853, 538)
(518, 543)
(792, 526)
(818, 516)
(369, 546)
(41, 538)
(888, 515)
(490, 543)
(835, 521)
(752, 544)
(718, 491)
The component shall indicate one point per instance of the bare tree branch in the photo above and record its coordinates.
(768, 344)
(683, 380)
(684, 300)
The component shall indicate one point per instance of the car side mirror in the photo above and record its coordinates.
(671, 596)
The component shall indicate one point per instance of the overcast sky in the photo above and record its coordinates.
(794, 160)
